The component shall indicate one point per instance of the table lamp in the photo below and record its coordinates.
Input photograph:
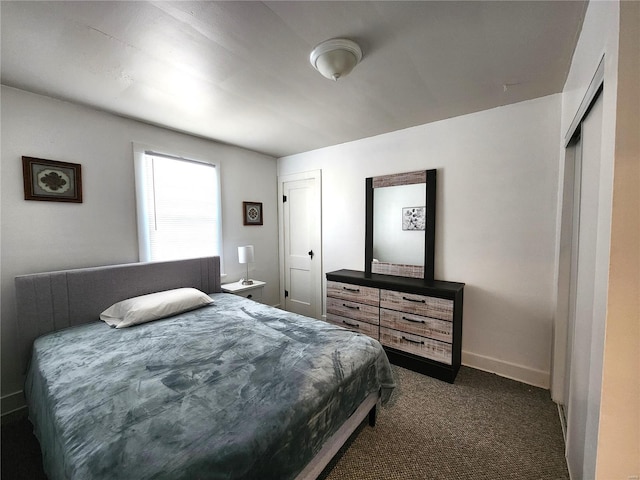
(245, 255)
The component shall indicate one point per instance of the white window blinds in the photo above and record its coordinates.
(178, 208)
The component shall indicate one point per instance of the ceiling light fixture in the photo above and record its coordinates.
(335, 58)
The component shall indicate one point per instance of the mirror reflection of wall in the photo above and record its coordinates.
(392, 244)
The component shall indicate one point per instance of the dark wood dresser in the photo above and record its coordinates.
(419, 323)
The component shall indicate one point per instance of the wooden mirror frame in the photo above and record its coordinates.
(423, 176)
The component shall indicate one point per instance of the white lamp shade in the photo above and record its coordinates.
(245, 254)
(335, 58)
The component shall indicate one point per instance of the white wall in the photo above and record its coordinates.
(495, 228)
(42, 236)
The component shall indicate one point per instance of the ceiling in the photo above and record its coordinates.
(238, 72)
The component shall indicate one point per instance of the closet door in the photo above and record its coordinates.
(585, 335)
(575, 230)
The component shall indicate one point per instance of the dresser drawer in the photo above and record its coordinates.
(355, 325)
(417, 345)
(433, 307)
(353, 310)
(353, 293)
(416, 324)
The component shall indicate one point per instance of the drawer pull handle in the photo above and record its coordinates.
(350, 306)
(355, 325)
(414, 321)
(412, 341)
(413, 300)
(355, 290)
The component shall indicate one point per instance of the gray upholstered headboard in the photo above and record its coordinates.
(47, 302)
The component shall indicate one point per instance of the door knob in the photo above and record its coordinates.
(311, 254)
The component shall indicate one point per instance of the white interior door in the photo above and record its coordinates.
(583, 382)
(301, 244)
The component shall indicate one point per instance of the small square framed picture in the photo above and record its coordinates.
(414, 218)
(252, 213)
(52, 181)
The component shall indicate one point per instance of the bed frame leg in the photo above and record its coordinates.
(372, 416)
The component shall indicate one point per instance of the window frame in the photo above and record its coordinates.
(140, 151)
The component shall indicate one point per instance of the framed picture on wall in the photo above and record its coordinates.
(52, 181)
(414, 218)
(252, 213)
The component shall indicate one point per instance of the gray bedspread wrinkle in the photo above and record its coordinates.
(235, 390)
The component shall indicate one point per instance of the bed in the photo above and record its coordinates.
(231, 390)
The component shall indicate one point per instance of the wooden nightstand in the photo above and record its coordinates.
(254, 291)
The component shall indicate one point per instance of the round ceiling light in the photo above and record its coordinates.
(335, 58)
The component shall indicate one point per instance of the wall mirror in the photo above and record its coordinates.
(400, 224)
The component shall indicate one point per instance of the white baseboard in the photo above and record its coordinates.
(520, 373)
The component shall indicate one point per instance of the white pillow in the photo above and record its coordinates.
(154, 306)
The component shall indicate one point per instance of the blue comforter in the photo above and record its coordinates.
(235, 390)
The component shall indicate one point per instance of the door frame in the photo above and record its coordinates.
(317, 267)
(565, 241)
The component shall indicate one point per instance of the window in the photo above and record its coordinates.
(178, 206)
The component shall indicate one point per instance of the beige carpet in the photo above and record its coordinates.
(482, 427)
